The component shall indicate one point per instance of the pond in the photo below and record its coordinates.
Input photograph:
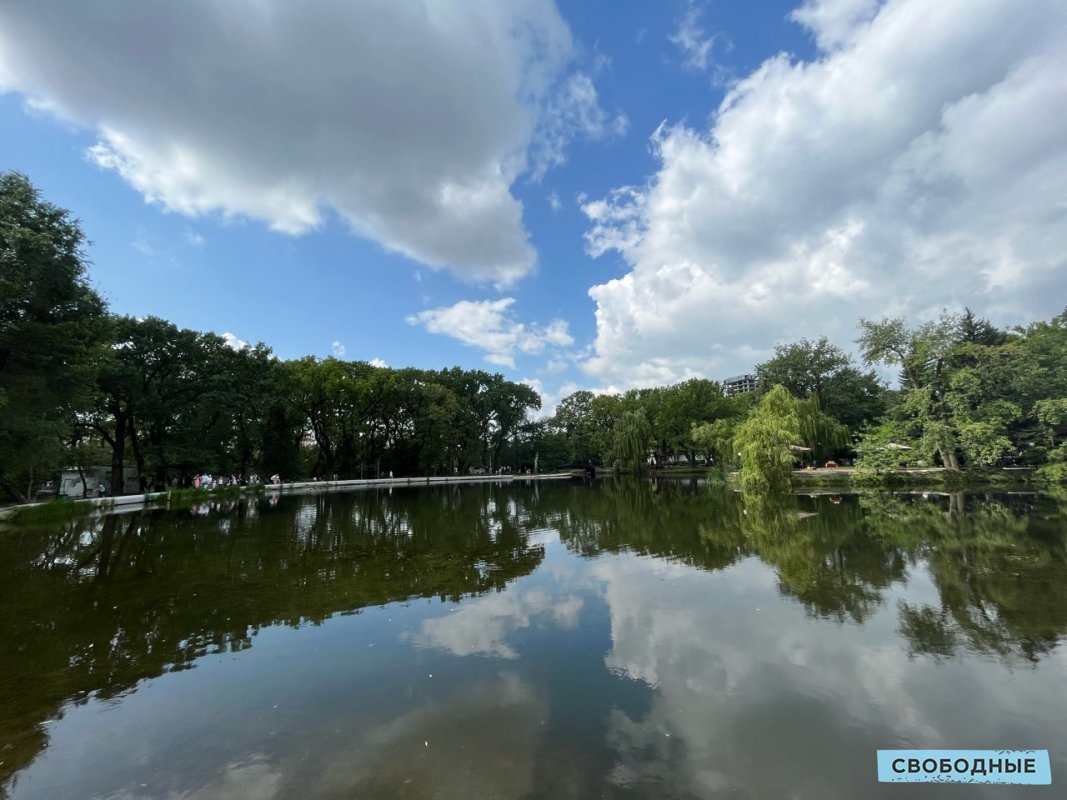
(550, 640)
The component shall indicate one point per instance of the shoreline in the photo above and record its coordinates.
(133, 502)
(832, 480)
(918, 476)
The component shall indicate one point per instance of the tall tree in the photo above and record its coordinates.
(51, 329)
(972, 329)
(574, 418)
(969, 390)
(822, 370)
(802, 368)
(765, 442)
(680, 407)
(631, 440)
(923, 356)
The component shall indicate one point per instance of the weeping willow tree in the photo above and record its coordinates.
(631, 440)
(717, 437)
(764, 441)
(769, 437)
(819, 432)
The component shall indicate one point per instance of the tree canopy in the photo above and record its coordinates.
(971, 395)
(822, 370)
(51, 332)
(79, 385)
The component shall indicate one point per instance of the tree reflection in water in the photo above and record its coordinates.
(90, 608)
(93, 607)
(999, 561)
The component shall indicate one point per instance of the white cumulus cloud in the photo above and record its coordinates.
(490, 326)
(338, 349)
(233, 342)
(483, 626)
(409, 120)
(918, 162)
(835, 22)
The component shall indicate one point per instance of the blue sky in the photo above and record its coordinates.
(578, 194)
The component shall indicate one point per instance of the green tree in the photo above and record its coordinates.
(1051, 415)
(605, 410)
(923, 356)
(717, 438)
(819, 432)
(969, 390)
(152, 387)
(971, 329)
(693, 402)
(51, 330)
(765, 442)
(573, 418)
(803, 368)
(822, 370)
(631, 440)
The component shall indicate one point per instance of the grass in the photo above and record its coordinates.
(57, 510)
(961, 479)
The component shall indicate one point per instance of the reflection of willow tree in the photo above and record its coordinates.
(668, 518)
(1001, 576)
(825, 559)
(97, 607)
(998, 563)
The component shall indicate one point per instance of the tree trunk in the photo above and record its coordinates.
(15, 491)
(118, 454)
(160, 482)
(138, 456)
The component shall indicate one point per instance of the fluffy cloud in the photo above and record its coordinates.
(489, 326)
(409, 120)
(338, 349)
(917, 163)
(794, 689)
(834, 22)
(552, 392)
(233, 342)
(482, 626)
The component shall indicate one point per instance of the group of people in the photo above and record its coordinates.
(497, 471)
(209, 481)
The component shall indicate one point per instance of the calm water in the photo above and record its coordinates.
(551, 641)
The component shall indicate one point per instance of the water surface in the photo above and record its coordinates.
(644, 640)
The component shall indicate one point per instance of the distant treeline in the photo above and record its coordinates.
(80, 386)
(969, 395)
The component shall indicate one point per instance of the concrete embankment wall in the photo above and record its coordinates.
(134, 501)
